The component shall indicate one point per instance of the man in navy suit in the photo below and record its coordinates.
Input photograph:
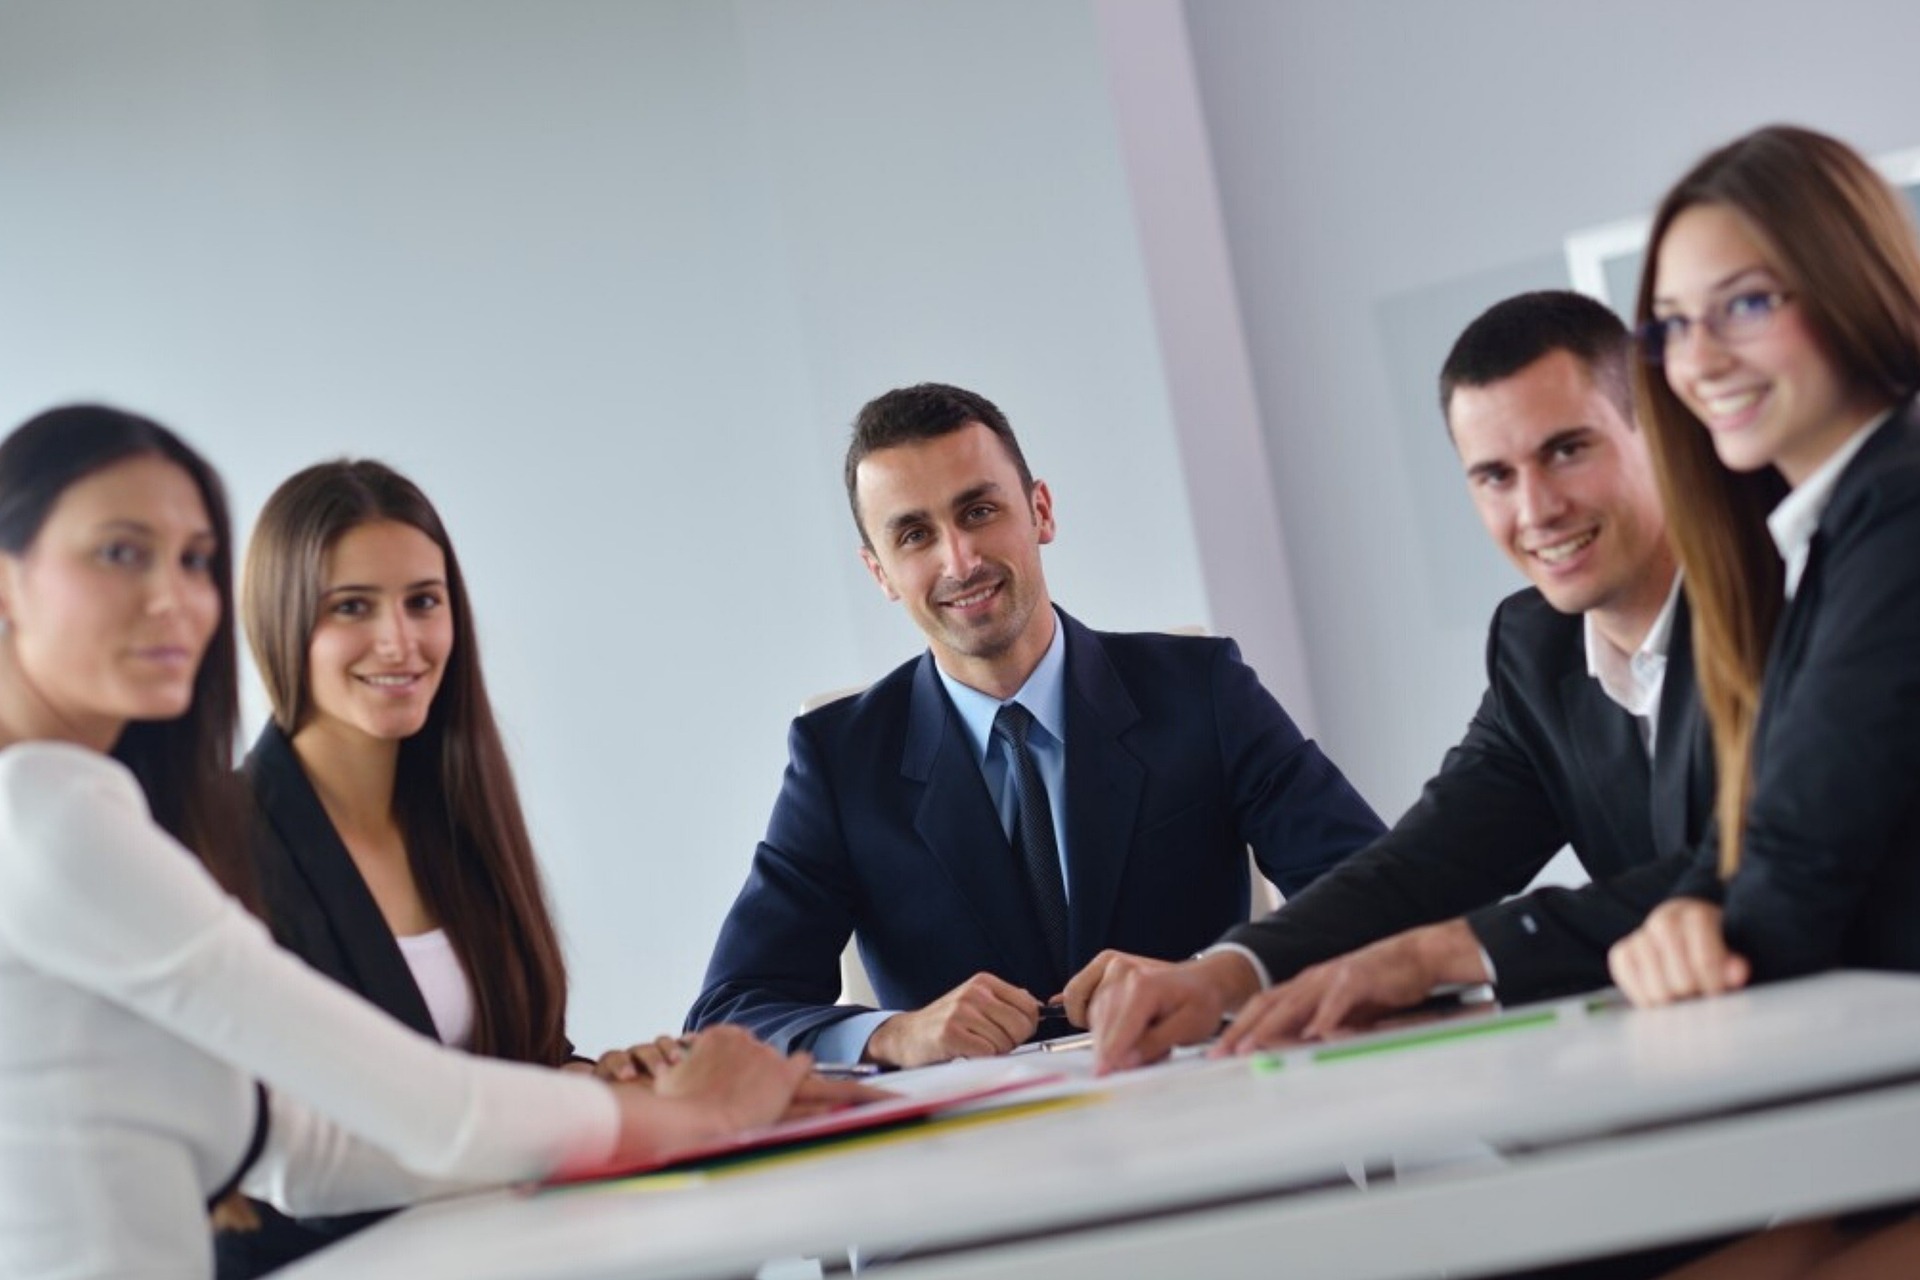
(978, 866)
(1590, 734)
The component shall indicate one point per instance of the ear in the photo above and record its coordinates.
(1042, 502)
(9, 588)
(879, 574)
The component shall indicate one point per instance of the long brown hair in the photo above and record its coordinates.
(453, 796)
(1843, 244)
(184, 765)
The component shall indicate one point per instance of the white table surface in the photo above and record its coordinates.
(1613, 1130)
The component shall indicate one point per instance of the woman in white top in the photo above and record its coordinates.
(139, 1000)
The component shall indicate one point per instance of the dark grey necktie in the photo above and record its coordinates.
(1033, 832)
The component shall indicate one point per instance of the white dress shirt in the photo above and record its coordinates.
(138, 1003)
(1633, 681)
(1794, 521)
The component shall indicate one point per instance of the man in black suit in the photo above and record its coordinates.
(995, 812)
(1589, 734)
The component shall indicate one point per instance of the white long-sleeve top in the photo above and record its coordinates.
(138, 1003)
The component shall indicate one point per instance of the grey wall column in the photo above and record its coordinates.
(1176, 205)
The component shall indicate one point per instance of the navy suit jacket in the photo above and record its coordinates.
(1830, 867)
(1177, 760)
(1548, 760)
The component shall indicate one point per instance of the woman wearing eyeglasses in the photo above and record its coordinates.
(1781, 316)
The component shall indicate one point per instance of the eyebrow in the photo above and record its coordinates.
(374, 588)
(985, 489)
(1724, 282)
(146, 530)
(1566, 435)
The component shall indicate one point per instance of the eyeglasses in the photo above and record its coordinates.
(1732, 320)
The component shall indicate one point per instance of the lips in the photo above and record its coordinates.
(970, 597)
(1725, 410)
(1558, 553)
(171, 655)
(392, 681)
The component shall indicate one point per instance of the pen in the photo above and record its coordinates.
(846, 1070)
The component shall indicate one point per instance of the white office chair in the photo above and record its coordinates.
(857, 988)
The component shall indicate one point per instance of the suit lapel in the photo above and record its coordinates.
(1104, 784)
(360, 932)
(1610, 748)
(957, 823)
(1682, 759)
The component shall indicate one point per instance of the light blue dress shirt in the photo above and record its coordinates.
(1044, 695)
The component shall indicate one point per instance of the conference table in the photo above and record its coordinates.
(1458, 1148)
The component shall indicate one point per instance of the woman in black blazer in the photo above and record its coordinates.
(1780, 313)
(389, 841)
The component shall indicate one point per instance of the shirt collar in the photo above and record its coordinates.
(1044, 695)
(1797, 517)
(1653, 646)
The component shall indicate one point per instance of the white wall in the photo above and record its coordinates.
(1388, 168)
(609, 279)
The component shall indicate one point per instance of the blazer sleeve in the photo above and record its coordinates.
(93, 893)
(1554, 941)
(1482, 827)
(1839, 748)
(1294, 808)
(776, 965)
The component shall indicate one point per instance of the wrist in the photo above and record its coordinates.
(1231, 976)
(1450, 952)
(882, 1047)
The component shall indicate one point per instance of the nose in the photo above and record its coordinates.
(392, 634)
(167, 588)
(962, 557)
(1539, 498)
(1698, 350)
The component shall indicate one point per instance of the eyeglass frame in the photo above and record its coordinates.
(1653, 339)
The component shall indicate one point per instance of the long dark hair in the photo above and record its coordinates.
(184, 765)
(1843, 243)
(453, 796)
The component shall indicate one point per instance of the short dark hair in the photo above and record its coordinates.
(1510, 335)
(925, 411)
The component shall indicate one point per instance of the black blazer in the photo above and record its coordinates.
(1548, 760)
(1177, 761)
(317, 904)
(1830, 866)
(321, 910)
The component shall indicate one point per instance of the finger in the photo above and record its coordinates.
(616, 1064)
(1263, 1023)
(1188, 1024)
(1002, 1026)
(838, 1093)
(1077, 999)
(649, 1059)
(673, 1048)
(1675, 964)
(1332, 1012)
(1006, 993)
(968, 1040)
(1004, 1019)
(1634, 973)
(1121, 1014)
(1736, 972)
(1706, 953)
